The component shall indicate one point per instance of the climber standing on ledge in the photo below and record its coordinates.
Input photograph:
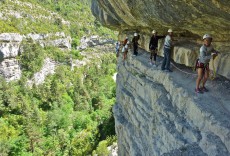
(167, 51)
(153, 44)
(202, 65)
(135, 44)
(126, 49)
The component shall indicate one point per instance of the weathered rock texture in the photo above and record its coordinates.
(10, 69)
(196, 17)
(26, 10)
(157, 113)
(189, 19)
(10, 48)
(39, 77)
(91, 41)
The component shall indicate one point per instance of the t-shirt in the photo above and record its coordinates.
(135, 41)
(205, 53)
(168, 41)
(153, 44)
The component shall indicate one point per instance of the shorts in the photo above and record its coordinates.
(202, 65)
(153, 53)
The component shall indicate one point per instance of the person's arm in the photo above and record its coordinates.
(150, 43)
(214, 53)
(159, 37)
(170, 41)
(133, 40)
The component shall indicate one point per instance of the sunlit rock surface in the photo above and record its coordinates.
(189, 19)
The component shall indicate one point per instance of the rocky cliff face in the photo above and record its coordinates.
(188, 16)
(189, 19)
(158, 113)
(10, 48)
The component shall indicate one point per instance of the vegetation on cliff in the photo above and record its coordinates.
(73, 17)
(67, 115)
(70, 113)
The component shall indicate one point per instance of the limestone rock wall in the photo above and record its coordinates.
(157, 113)
(10, 69)
(186, 51)
(184, 16)
(189, 19)
(27, 10)
(10, 48)
(92, 41)
(39, 77)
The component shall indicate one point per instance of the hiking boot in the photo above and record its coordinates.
(204, 89)
(150, 63)
(198, 91)
(154, 65)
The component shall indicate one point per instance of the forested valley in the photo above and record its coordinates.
(70, 113)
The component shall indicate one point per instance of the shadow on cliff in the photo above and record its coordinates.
(1, 56)
(107, 128)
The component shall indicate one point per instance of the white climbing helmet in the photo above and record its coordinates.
(170, 30)
(126, 37)
(154, 31)
(135, 34)
(207, 36)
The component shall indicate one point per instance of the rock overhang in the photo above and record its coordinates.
(189, 19)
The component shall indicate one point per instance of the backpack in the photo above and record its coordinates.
(125, 41)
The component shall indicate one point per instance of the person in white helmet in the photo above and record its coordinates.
(168, 44)
(206, 53)
(135, 43)
(153, 44)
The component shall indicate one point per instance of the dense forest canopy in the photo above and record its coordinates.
(73, 17)
(70, 113)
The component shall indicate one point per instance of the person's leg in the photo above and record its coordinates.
(167, 66)
(164, 60)
(151, 56)
(123, 56)
(118, 53)
(155, 56)
(126, 52)
(206, 75)
(135, 51)
(199, 77)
